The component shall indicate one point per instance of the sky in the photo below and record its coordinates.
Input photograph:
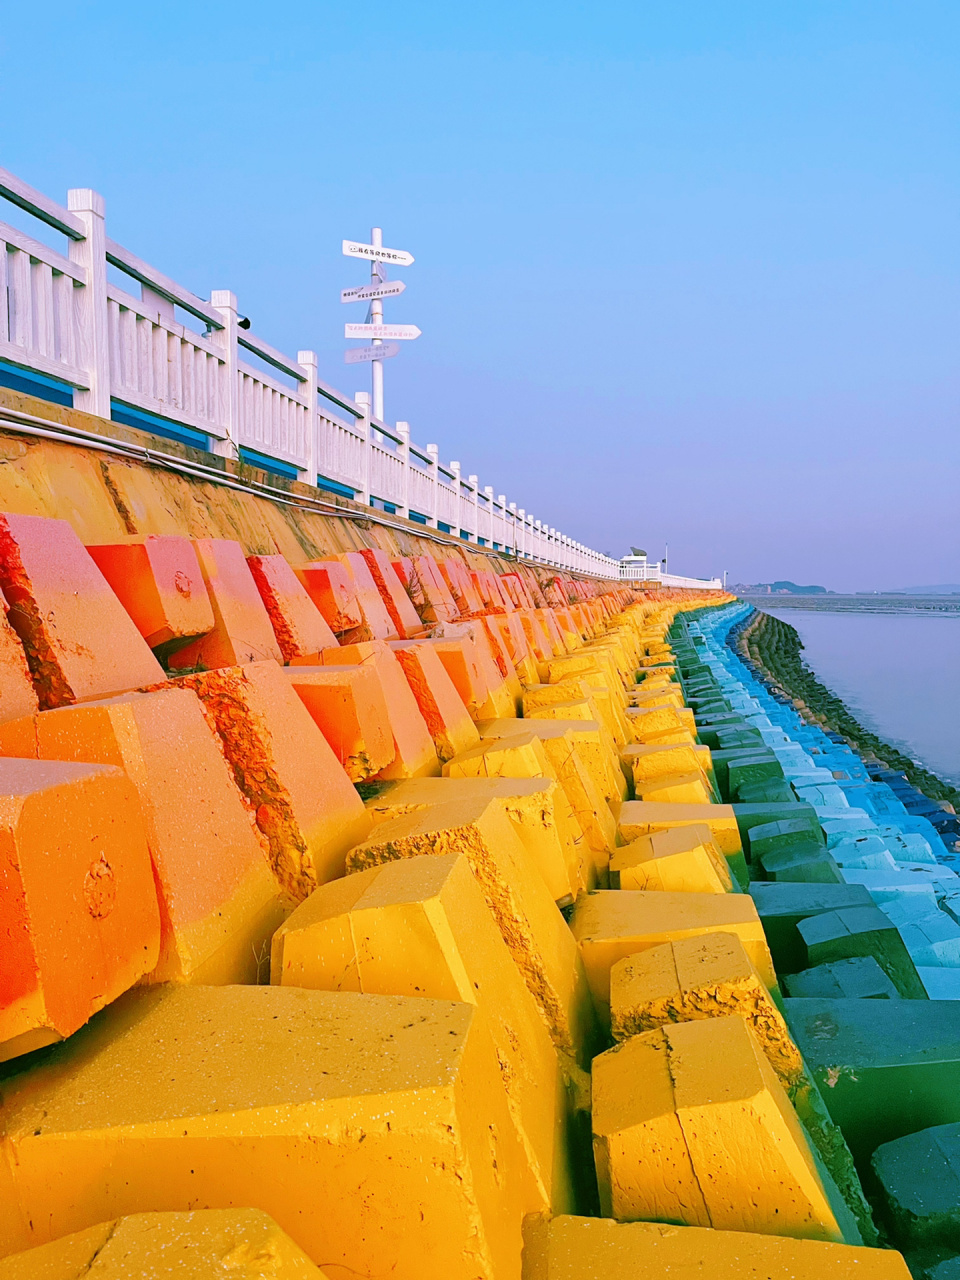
(687, 274)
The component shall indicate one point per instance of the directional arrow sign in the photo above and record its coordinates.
(376, 253)
(389, 289)
(403, 332)
(359, 355)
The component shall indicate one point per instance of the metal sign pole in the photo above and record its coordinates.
(376, 317)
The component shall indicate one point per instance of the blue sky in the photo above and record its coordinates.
(686, 273)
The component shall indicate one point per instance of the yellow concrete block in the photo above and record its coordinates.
(654, 760)
(524, 757)
(657, 695)
(706, 977)
(648, 721)
(610, 925)
(373, 1129)
(684, 860)
(592, 740)
(592, 703)
(691, 1124)
(421, 927)
(542, 946)
(642, 817)
(244, 1243)
(537, 807)
(676, 788)
(568, 1248)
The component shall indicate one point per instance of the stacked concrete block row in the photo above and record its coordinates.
(387, 916)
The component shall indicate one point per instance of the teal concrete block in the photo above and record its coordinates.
(862, 931)
(768, 836)
(919, 1179)
(859, 978)
(782, 906)
(807, 863)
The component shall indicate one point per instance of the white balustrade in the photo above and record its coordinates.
(62, 319)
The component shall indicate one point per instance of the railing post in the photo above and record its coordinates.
(225, 302)
(474, 483)
(522, 534)
(91, 254)
(504, 522)
(363, 426)
(307, 360)
(403, 452)
(433, 453)
(455, 468)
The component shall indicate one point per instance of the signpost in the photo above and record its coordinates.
(379, 288)
(359, 355)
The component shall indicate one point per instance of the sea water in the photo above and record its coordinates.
(899, 675)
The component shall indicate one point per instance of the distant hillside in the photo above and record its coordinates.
(944, 589)
(778, 589)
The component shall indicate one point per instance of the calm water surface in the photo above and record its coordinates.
(899, 675)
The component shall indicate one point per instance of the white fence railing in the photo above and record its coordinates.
(118, 354)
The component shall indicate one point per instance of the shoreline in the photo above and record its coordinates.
(773, 649)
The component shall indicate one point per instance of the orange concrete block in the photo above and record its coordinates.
(329, 585)
(517, 589)
(440, 705)
(377, 623)
(17, 695)
(399, 605)
(79, 641)
(464, 650)
(299, 626)
(462, 590)
(303, 800)
(220, 901)
(439, 604)
(509, 627)
(537, 638)
(79, 920)
(159, 583)
(242, 631)
(414, 752)
(349, 708)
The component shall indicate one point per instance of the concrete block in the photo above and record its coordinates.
(591, 740)
(220, 900)
(801, 818)
(668, 1108)
(420, 927)
(654, 761)
(304, 803)
(299, 626)
(473, 672)
(643, 817)
(611, 925)
(439, 603)
(440, 704)
(679, 788)
(159, 583)
(568, 1248)
(403, 615)
(80, 642)
(782, 906)
(414, 752)
(196, 1244)
(861, 931)
(919, 1178)
(78, 910)
(859, 978)
(710, 976)
(348, 706)
(537, 806)
(242, 630)
(294, 1102)
(540, 943)
(648, 723)
(808, 862)
(377, 623)
(940, 984)
(330, 586)
(681, 860)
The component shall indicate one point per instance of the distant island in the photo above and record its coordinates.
(776, 589)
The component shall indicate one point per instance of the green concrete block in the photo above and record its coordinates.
(769, 835)
(782, 906)
(807, 863)
(919, 1177)
(727, 758)
(862, 931)
(742, 739)
(770, 791)
(859, 978)
(883, 1072)
(755, 766)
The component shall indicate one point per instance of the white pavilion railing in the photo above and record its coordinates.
(129, 357)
